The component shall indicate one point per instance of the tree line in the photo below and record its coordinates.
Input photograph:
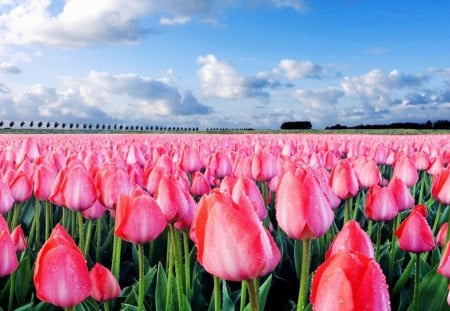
(428, 125)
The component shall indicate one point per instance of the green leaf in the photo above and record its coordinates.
(264, 291)
(23, 279)
(24, 307)
(433, 292)
(161, 288)
(404, 277)
(227, 303)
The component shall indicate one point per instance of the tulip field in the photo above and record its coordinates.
(224, 222)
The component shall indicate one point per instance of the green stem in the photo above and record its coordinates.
(178, 267)
(216, 293)
(377, 251)
(81, 230)
(422, 185)
(304, 274)
(347, 210)
(12, 283)
(141, 277)
(69, 309)
(253, 294)
(48, 215)
(437, 218)
(187, 264)
(15, 217)
(393, 248)
(243, 295)
(106, 306)
(117, 248)
(64, 217)
(98, 238)
(416, 284)
(37, 215)
(169, 269)
(73, 220)
(88, 238)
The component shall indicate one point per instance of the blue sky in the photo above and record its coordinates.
(234, 64)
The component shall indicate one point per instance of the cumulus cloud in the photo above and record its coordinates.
(101, 97)
(146, 95)
(6, 67)
(85, 22)
(222, 80)
(300, 69)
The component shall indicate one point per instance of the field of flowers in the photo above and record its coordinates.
(224, 222)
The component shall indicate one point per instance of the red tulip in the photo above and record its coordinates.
(231, 241)
(138, 217)
(414, 234)
(44, 179)
(199, 185)
(367, 172)
(343, 180)
(190, 160)
(264, 166)
(21, 187)
(444, 264)
(406, 170)
(380, 204)
(110, 182)
(440, 187)
(61, 276)
(75, 188)
(349, 280)
(95, 211)
(8, 257)
(18, 239)
(6, 198)
(302, 210)
(104, 284)
(401, 193)
(246, 186)
(442, 235)
(171, 199)
(351, 237)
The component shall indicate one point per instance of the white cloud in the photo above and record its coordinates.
(86, 22)
(177, 20)
(6, 67)
(220, 79)
(299, 69)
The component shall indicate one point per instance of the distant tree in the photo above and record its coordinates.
(63, 125)
(22, 123)
(56, 125)
(11, 124)
(31, 124)
(77, 125)
(115, 126)
(71, 125)
(1, 123)
(48, 124)
(296, 125)
(441, 125)
(90, 126)
(39, 125)
(109, 127)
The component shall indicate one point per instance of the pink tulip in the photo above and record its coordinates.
(442, 235)
(343, 180)
(61, 276)
(6, 198)
(246, 186)
(440, 187)
(444, 264)
(8, 258)
(380, 204)
(402, 196)
(351, 237)
(18, 239)
(138, 217)
(21, 187)
(367, 172)
(171, 199)
(414, 234)
(231, 241)
(104, 284)
(406, 171)
(302, 210)
(199, 184)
